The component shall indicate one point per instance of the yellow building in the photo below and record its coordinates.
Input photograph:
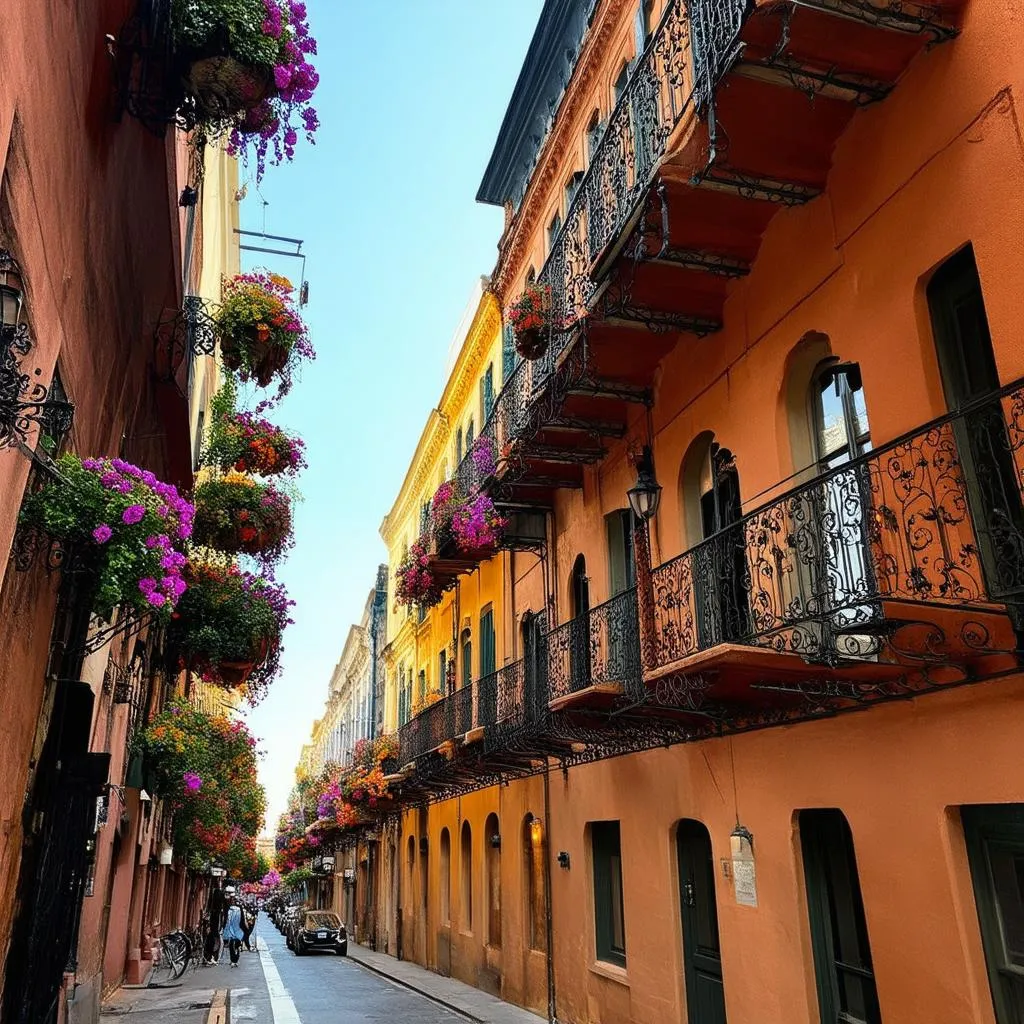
(429, 652)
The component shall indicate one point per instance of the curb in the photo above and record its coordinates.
(464, 1014)
(219, 1007)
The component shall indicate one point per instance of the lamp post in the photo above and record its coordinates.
(644, 499)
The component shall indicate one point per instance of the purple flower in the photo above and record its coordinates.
(193, 782)
(147, 585)
(133, 514)
(156, 599)
(282, 76)
(93, 465)
(102, 533)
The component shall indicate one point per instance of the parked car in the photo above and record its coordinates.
(287, 918)
(317, 929)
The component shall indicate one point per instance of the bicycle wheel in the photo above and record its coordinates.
(163, 972)
(176, 945)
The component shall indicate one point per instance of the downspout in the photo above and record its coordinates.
(552, 1008)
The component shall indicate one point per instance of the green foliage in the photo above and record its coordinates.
(297, 878)
(204, 24)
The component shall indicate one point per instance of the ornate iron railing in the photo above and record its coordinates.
(600, 647)
(462, 710)
(934, 517)
(666, 81)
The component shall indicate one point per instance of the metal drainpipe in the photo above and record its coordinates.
(552, 1008)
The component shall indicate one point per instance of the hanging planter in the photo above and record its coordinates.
(476, 526)
(238, 515)
(228, 626)
(245, 73)
(248, 443)
(262, 334)
(126, 525)
(222, 87)
(530, 319)
(414, 581)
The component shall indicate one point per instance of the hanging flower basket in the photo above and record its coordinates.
(245, 73)
(476, 525)
(222, 86)
(127, 525)
(247, 443)
(530, 319)
(238, 515)
(262, 334)
(414, 581)
(228, 626)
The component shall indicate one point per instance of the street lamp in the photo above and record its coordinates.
(11, 291)
(645, 495)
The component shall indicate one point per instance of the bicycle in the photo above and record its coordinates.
(174, 952)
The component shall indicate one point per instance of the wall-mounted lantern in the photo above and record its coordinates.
(495, 841)
(536, 832)
(563, 859)
(24, 402)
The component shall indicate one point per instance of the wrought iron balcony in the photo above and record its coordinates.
(896, 573)
(593, 661)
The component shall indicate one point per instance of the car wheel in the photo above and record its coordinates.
(300, 950)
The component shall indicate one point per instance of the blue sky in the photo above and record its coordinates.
(411, 97)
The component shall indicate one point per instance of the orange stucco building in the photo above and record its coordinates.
(782, 243)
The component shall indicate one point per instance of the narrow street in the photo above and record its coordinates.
(322, 989)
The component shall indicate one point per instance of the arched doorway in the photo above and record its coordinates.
(702, 952)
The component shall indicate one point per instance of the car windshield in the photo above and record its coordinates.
(322, 920)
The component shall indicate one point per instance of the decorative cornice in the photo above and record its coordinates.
(593, 52)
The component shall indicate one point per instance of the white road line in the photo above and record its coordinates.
(280, 1001)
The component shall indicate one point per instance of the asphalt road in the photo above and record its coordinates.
(321, 988)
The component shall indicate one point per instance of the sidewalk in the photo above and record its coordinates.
(201, 997)
(463, 999)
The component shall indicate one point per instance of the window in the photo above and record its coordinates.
(422, 690)
(621, 564)
(553, 230)
(995, 849)
(488, 660)
(487, 394)
(446, 877)
(492, 884)
(594, 130)
(442, 671)
(403, 710)
(840, 414)
(197, 447)
(839, 933)
(643, 25)
(458, 446)
(609, 916)
(470, 434)
(533, 869)
(466, 873)
(619, 86)
(467, 657)
(572, 187)
(531, 275)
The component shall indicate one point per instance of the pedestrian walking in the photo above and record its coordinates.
(233, 930)
(249, 913)
(216, 910)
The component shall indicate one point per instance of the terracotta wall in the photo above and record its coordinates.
(88, 207)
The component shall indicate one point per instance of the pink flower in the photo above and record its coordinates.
(102, 533)
(133, 514)
(193, 783)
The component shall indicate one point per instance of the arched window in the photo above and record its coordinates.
(839, 414)
(533, 874)
(446, 877)
(572, 187)
(579, 587)
(554, 227)
(466, 647)
(593, 135)
(466, 876)
(531, 275)
(579, 628)
(470, 434)
(619, 85)
(458, 446)
(492, 881)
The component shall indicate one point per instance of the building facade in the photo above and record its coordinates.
(774, 442)
(110, 228)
